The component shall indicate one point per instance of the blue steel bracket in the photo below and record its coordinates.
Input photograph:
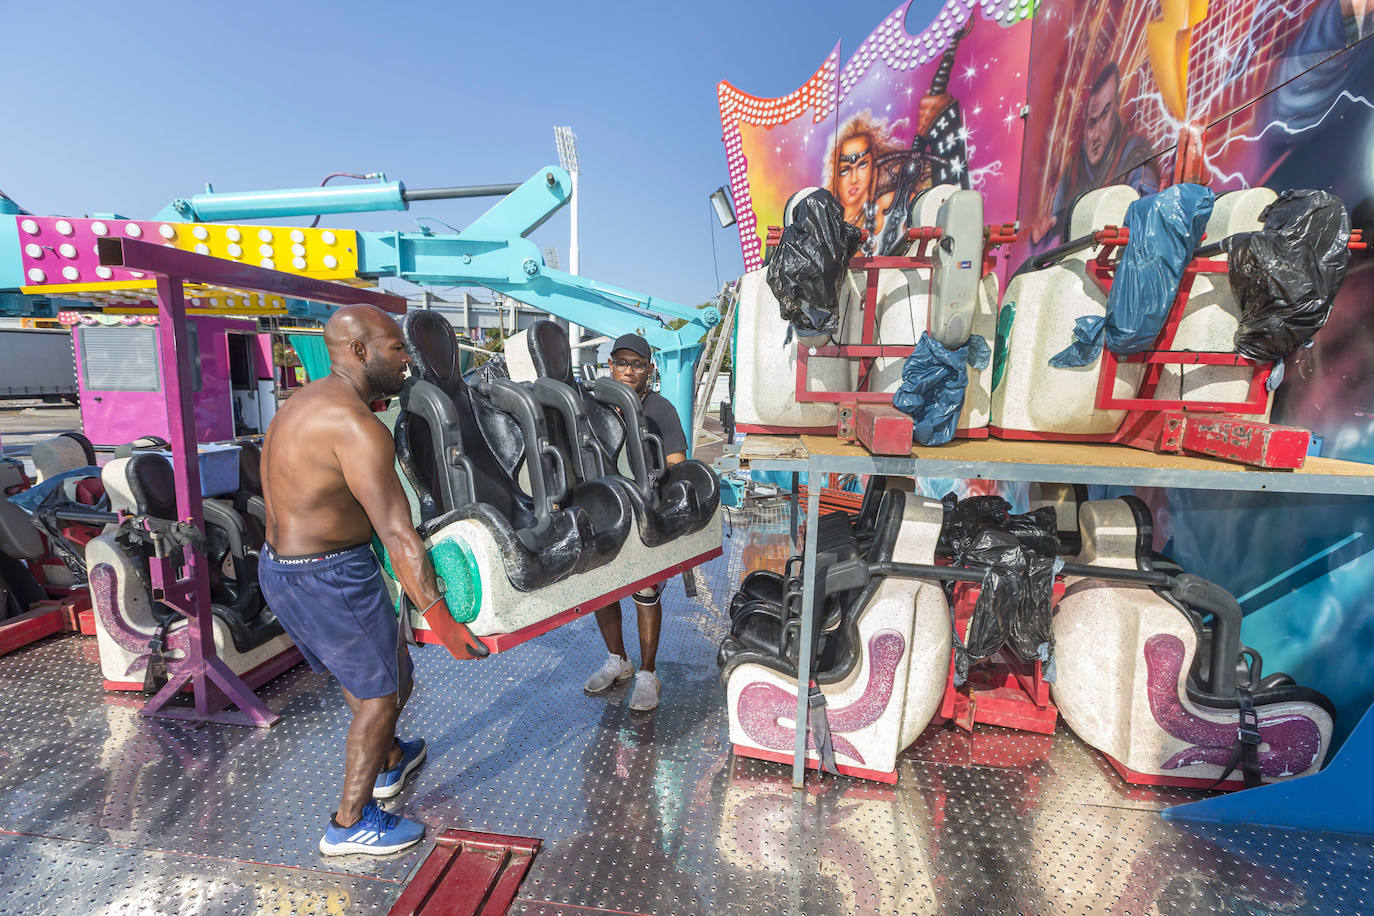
(494, 252)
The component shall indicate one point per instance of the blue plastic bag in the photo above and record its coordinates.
(29, 499)
(932, 391)
(1165, 229)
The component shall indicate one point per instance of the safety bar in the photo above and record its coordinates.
(587, 457)
(1046, 258)
(548, 479)
(1197, 593)
(1193, 591)
(639, 442)
(92, 517)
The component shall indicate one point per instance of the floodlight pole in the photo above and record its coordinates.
(566, 141)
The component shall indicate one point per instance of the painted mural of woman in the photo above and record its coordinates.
(851, 171)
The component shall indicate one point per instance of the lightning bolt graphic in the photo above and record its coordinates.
(1169, 40)
(1345, 96)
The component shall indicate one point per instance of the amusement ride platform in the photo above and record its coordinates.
(106, 812)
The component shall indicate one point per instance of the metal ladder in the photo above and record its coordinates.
(716, 343)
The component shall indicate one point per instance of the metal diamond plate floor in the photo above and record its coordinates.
(102, 812)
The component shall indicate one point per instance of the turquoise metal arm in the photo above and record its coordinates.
(494, 252)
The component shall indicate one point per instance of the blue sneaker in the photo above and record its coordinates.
(391, 782)
(376, 834)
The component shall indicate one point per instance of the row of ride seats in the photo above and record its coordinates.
(247, 633)
(1147, 675)
(1041, 307)
(765, 392)
(880, 662)
(765, 612)
(1033, 319)
(21, 540)
(526, 475)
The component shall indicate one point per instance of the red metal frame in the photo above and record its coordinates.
(1102, 269)
(44, 619)
(1003, 690)
(1181, 782)
(468, 873)
(883, 776)
(866, 350)
(500, 642)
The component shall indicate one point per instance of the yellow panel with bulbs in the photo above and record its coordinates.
(58, 253)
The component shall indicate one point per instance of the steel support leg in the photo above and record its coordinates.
(796, 506)
(213, 684)
(808, 628)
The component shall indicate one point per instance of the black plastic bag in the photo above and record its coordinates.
(1017, 554)
(809, 264)
(1029, 628)
(934, 378)
(1286, 275)
(1038, 531)
(963, 518)
(1165, 228)
(1000, 556)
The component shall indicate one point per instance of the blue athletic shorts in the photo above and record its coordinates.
(336, 609)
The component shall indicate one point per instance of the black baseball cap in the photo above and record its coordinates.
(632, 342)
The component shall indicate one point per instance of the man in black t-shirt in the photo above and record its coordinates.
(632, 363)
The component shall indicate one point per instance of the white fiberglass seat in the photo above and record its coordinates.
(1150, 682)
(882, 671)
(247, 635)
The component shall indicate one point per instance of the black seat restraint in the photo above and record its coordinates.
(819, 725)
(1245, 752)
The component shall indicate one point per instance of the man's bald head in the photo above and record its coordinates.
(360, 323)
(365, 344)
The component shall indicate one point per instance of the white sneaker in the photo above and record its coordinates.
(645, 696)
(616, 670)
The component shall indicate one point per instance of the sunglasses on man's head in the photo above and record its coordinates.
(633, 364)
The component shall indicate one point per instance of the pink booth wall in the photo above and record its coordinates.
(114, 417)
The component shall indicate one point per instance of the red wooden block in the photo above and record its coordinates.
(1250, 442)
(883, 429)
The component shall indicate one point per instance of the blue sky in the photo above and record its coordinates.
(122, 107)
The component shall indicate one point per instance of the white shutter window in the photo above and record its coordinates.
(120, 359)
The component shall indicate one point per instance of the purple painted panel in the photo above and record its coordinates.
(761, 704)
(116, 417)
(1293, 741)
(57, 250)
(214, 404)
